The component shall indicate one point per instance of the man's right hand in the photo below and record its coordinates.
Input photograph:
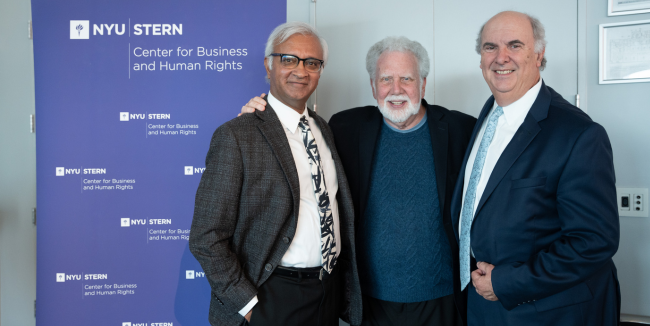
(256, 103)
(248, 315)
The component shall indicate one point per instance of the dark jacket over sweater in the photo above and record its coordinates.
(355, 134)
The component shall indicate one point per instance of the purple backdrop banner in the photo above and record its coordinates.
(128, 94)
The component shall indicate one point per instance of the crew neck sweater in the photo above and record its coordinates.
(404, 254)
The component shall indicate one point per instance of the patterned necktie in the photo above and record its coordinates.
(467, 215)
(328, 242)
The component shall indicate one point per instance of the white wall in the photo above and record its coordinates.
(17, 167)
(624, 111)
(459, 83)
(298, 10)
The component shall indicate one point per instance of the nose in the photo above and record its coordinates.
(503, 56)
(300, 71)
(396, 87)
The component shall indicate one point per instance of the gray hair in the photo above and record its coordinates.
(539, 35)
(397, 44)
(286, 30)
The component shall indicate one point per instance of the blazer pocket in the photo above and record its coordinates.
(528, 182)
(577, 294)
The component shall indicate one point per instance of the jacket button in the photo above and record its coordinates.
(285, 239)
(268, 267)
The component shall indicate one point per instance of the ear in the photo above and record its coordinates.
(539, 58)
(266, 66)
(372, 85)
(424, 84)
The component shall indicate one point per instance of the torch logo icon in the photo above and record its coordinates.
(79, 29)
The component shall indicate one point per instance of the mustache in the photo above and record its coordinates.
(397, 98)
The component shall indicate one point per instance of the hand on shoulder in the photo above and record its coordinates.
(256, 103)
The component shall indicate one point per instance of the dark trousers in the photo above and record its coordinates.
(438, 312)
(288, 301)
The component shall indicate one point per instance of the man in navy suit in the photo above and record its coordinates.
(534, 208)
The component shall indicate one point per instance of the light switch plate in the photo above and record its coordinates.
(638, 202)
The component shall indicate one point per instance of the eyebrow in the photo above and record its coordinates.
(515, 42)
(509, 43)
(391, 76)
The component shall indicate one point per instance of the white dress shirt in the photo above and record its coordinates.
(507, 125)
(305, 248)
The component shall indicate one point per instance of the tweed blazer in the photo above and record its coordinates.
(246, 211)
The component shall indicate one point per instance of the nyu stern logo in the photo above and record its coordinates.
(191, 274)
(62, 277)
(79, 29)
(190, 170)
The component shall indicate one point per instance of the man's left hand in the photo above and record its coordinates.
(482, 281)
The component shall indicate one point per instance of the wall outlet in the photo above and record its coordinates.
(632, 201)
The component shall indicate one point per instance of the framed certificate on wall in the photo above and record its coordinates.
(624, 52)
(627, 7)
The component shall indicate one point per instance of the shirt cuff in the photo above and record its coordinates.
(248, 307)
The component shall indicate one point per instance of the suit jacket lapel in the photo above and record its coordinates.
(329, 138)
(273, 131)
(439, 142)
(520, 141)
(369, 129)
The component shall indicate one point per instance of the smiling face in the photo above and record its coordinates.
(397, 86)
(508, 59)
(294, 86)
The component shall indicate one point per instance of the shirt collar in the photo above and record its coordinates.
(418, 126)
(288, 116)
(516, 112)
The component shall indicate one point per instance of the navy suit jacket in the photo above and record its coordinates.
(548, 221)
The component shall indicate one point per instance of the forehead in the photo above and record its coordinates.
(303, 46)
(397, 63)
(504, 28)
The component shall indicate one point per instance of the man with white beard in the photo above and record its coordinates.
(402, 158)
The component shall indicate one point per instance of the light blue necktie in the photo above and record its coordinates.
(470, 195)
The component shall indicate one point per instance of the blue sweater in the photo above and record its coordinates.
(404, 255)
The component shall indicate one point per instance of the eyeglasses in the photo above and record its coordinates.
(291, 61)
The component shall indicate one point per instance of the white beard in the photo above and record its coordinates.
(398, 116)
